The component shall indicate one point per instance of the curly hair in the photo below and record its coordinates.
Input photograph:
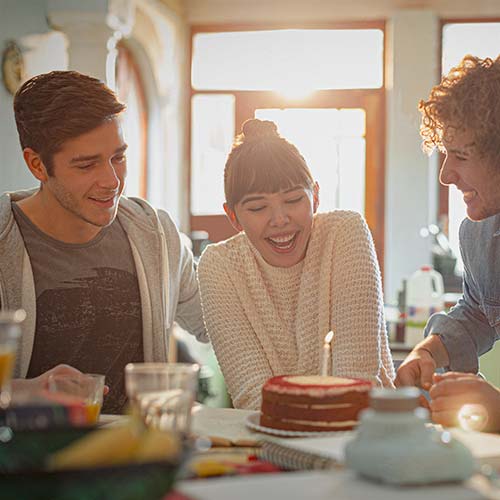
(54, 107)
(262, 161)
(467, 99)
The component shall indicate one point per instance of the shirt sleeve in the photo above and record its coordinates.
(241, 357)
(188, 312)
(464, 330)
(361, 345)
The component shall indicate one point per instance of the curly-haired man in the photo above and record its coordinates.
(462, 119)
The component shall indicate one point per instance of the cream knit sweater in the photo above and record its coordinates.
(265, 321)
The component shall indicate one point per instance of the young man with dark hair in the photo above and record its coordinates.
(462, 119)
(102, 277)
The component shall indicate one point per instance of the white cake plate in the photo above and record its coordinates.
(252, 422)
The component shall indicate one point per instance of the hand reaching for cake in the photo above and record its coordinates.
(465, 399)
(416, 369)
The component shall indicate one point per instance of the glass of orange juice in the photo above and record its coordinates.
(10, 332)
(85, 389)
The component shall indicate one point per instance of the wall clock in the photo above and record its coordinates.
(12, 67)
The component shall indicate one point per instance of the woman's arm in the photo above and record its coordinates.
(240, 355)
(361, 347)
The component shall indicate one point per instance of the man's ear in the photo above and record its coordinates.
(315, 197)
(35, 164)
(231, 215)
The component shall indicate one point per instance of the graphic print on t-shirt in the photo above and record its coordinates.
(91, 325)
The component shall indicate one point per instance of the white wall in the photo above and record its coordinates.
(411, 193)
(301, 11)
(25, 22)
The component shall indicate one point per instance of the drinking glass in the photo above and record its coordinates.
(10, 332)
(162, 394)
(86, 389)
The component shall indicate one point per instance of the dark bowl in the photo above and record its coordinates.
(22, 475)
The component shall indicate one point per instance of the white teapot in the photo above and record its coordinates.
(393, 444)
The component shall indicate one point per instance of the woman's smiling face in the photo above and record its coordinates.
(277, 224)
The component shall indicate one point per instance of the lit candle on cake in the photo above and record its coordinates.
(326, 366)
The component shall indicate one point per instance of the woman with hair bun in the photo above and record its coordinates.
(272, 292)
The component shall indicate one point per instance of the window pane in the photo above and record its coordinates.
(478, 39)
(333, 144)
(351, 167)
(212, 134)
(288, 60)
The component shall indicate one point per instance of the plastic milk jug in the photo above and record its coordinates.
(424, 297)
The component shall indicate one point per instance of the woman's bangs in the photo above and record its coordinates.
(268, 177)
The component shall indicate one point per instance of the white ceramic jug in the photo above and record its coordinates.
(393, 444)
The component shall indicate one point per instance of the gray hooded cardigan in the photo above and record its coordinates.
(165, 272)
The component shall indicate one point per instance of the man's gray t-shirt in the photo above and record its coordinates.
(88, 305)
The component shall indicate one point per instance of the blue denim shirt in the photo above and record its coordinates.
(471, 328)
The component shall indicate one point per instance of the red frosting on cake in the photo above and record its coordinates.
(281, 380)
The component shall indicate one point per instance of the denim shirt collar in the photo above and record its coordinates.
(495, 224)
(496, 231)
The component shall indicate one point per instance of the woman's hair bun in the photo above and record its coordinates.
(256, 129)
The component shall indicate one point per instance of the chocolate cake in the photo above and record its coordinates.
(313, 403)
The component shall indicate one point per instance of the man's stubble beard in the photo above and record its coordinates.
(68, 202)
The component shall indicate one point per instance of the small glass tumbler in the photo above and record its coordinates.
(86, 389)
(162, 394)
(10, 332)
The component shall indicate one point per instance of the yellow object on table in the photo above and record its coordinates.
(117, 445)
(210, 467)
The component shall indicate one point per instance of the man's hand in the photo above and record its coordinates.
(416, 369)
(452, 390)
(40, 383)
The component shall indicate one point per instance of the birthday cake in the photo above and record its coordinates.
(313, 403)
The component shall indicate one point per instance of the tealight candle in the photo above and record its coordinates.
(326, 367)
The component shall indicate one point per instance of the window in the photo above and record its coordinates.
(323, 88)
(212, 133)
(288, 60)
(333, 144)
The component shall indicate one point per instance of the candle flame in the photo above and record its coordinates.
(328, 337)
